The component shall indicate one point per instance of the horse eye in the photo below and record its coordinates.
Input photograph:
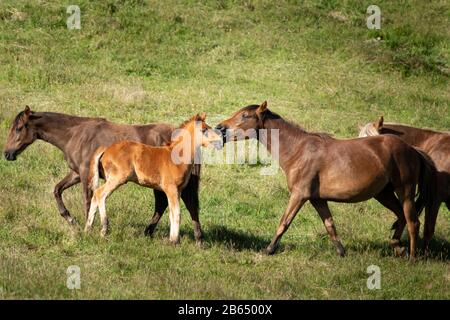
(18, 129)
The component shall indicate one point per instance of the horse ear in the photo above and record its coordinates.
(27, 110)
(379, 124)
(262, 107)
(200, 116)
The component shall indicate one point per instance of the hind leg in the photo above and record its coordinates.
(388, 199)
(322, 208)
(101, 194)
(406, 196)
(431, 213)
(91, 215)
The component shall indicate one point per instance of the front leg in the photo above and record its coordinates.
(160, 207)
(173, 197)
(296, 201)
(71, 179)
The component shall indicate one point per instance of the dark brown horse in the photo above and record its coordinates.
(78, 138)
(437, 146)
(320, 168)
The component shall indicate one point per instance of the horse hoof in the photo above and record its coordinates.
(149, 230)
(269, 251)
(199, 243)
(400, 252)
(175, 242)
(103, 233)
(340, 251)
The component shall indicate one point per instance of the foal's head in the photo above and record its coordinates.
(243, 124)
(21, 134)
(198, 132)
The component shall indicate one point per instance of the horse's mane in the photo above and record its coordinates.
(292, 127)
(368, 130)
(47, 115)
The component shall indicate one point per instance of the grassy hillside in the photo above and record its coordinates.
(162, 61)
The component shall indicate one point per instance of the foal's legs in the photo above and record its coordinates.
(69, 180)
(322, 208)
(160, 207)
(101, 194)
(173, 197)
(388, 199)
(296, 201)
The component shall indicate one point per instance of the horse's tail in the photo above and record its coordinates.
(427, 183)
(93, 168)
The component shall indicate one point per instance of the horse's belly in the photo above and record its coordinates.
(352, 190)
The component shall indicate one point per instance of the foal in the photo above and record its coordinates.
(320, 168)
(167, 168)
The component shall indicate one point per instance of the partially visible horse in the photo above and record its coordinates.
(167, 168)
(437, 147)
(78, 138)
(320, 168)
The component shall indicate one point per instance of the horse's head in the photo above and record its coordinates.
(372, 128)
(21, 134)
(243, 124)
(200, 133)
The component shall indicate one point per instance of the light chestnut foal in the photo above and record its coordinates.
(166, 168)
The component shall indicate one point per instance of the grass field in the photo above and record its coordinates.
(162, 61)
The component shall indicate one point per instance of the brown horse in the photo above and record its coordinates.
(160, 168)
(320, 168)
(437, 146)
(78, 138)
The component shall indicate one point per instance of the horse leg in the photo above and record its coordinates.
(431, 213)
(160, 207)
(296, 201)
(100, 195)
(69, 180)
(92, 211)
(324, 212)
(87, 192)
(190, 199)
(412, 221)
(175, 215)
(388, 199)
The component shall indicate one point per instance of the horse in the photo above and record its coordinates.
(437, 146)
(320, 168)
(154, 167)
(78, 138)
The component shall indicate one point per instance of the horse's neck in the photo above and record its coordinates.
(54, 128)
(277, 138)
(413, 136)
(192, 150)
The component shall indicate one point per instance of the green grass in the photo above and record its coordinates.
(147, 61)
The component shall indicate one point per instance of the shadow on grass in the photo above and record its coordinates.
(439, 248)
(235, 239)
(241, 240)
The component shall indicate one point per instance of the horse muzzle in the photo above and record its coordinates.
(10, 155)
(223, 131)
